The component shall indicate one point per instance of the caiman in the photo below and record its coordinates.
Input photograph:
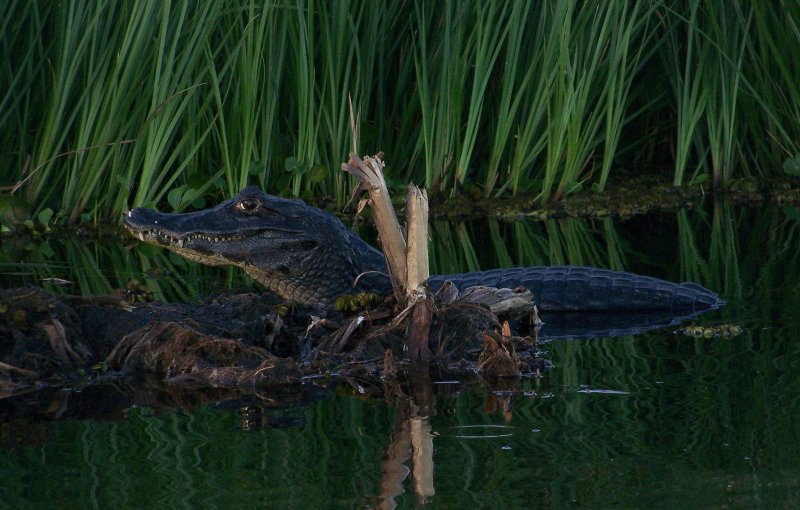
(306, 255)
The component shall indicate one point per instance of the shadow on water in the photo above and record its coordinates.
(657, 420)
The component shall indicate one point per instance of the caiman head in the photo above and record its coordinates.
(299, 252)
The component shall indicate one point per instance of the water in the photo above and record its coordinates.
(656, 420)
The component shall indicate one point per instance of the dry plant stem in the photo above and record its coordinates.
(370, 176)
(417, 238)
(417, 262)
(408, 263)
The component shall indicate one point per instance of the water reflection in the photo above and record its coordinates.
(411, 439)
(669, 406)
(644, 420)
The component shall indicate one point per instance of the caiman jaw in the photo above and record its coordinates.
(162, 237)
(212, 248)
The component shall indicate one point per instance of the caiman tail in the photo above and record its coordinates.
(574, 288)
(306, 255)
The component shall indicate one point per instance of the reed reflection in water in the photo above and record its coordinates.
(652, 420)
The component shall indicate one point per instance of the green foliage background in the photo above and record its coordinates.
(108, 105)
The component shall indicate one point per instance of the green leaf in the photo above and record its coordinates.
(792, 166)
(13, 210)
(199, 202)
(701, 179)
(175, 197)
(257, 168)
(45, 250)
(45, 215)
(294, 166)
(86, 218)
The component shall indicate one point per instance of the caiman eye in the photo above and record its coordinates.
(247, 206)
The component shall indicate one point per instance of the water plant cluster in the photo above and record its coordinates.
(109, 105)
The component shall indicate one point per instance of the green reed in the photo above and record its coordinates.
(729, 31)
(706, 53)
(510, 94)
(735, 85)
(724, 248)
(248, 74)
(109, 105)
(686, 66)
(773, 79)
(441, 67)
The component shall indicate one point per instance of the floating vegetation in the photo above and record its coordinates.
(721, 330)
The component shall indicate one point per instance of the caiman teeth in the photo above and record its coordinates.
(180, 241)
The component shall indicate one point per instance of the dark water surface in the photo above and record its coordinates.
(656, 420)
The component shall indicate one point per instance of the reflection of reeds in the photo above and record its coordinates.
(723, 257)
(692, 263)
(101, 267)
(567, 241)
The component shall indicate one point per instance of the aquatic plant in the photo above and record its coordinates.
(108, 106)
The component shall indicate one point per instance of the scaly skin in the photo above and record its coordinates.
(306, 255)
